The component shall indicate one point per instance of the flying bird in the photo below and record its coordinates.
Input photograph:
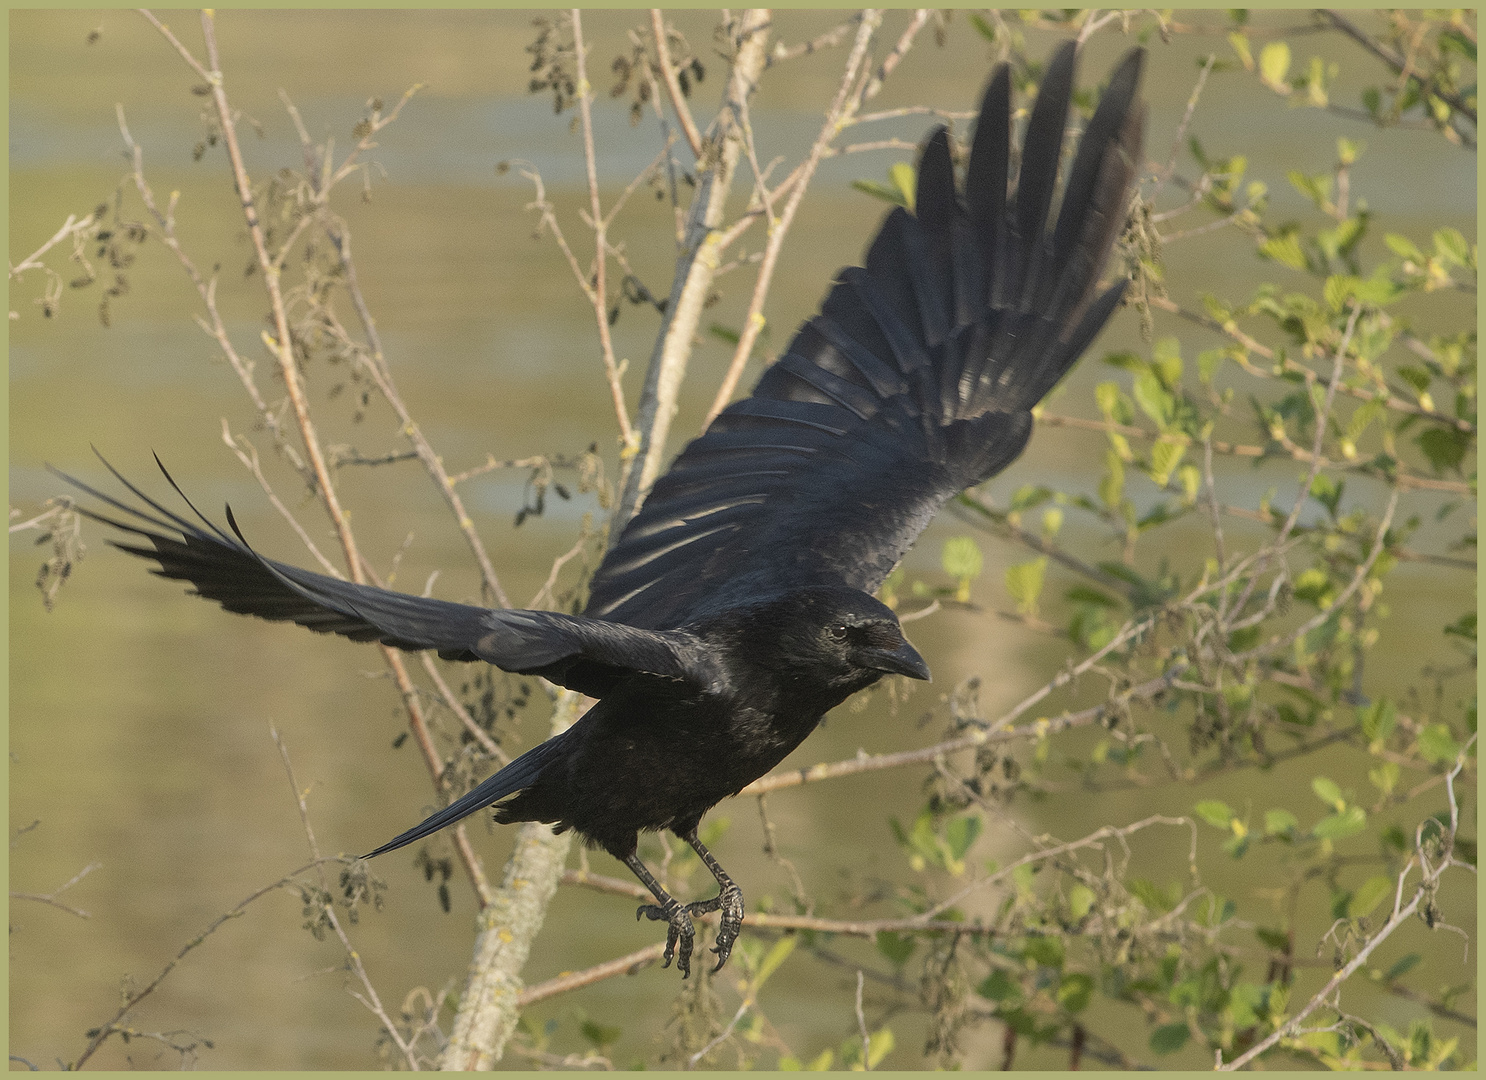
(736, 608)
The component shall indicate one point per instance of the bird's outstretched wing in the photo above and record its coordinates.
(582, 654)
(915, 381)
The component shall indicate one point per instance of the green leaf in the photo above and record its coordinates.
(961, 833)
(1327, 791)
(1402, 966)
(1112, 484)
(1024, 583)
(1290, 715)
(1453, 40)
(1166, 361)
(1279, 821)
(1338, 288)
(1240, 43)
(961, 558)
(1169, 1038)
(1153, 896)
(1315, 188)
(1369, 895)
(1029, 496)
(879, 1045)
(1208, 363)
(1276, 939)
(1274, 65)
(1463, 627)
(999, 986)
(1339, 826)
(601, 1035)
(776, 955)
(1444, 447)
(1312, 585)
(1080, 901)
(1087, 594)
(1247, 1001)
(985, 29)
(1417, 377)
(1437, 745)
(905, 180)
(1285, 249)
(1165, 457)
(1451, 247)
(1378, 720)
(1385, 776)
(1215, 813)
(878, 190)
(1153, 398)
(1045, 950)
(1405, 248)
(895, 946)
(1075, 991)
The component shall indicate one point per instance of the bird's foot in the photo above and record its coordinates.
(730, 902)
(680, 931)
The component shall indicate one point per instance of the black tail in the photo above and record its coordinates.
(521, 773)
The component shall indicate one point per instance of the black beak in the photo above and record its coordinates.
(903, 660)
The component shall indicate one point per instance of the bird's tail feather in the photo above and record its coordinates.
(519, 774)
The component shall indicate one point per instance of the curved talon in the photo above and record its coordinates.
(730, 900)
(678, 931)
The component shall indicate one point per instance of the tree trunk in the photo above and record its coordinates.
(506, 928)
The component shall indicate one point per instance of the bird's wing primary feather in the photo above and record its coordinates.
(582, 654)
(915, 381)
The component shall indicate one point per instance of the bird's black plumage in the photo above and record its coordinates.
(734, 610)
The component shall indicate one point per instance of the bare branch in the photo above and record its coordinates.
(353, 958)
(51, 897)
(840, 109)
(673, 86)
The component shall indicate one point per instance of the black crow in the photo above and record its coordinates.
(736, 607)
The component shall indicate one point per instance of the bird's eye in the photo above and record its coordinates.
(838, 633)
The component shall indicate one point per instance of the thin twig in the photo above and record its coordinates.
(673, 86)
(600, 227)
(282, 348)
(51, 897)
(862, 1024)
(843, 107)
(1181, 130)
(101, 1034)
(353, 958)
(1398, 63)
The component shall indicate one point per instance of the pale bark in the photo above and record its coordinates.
(489, 1006)
(696, 266)
(505, 930)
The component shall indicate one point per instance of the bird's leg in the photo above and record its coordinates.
(669, 910)
(729, 899)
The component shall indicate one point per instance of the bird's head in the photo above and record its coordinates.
(836, 638)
